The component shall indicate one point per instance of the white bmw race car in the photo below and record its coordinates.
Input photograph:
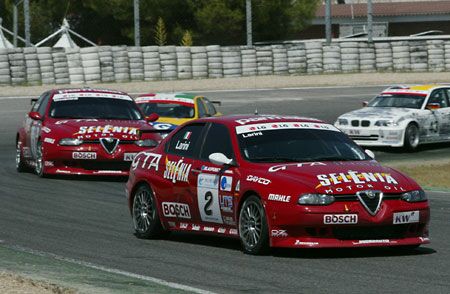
(401, 116)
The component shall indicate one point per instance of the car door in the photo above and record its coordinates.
(177, 205)
(215, 187)
(32, 126)
(440, 127)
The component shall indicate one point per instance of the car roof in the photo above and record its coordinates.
(169, 97)
(413, 89)
(86, 90)
(248, 119)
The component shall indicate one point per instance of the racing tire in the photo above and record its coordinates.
(411, 141)
(20, 164)
(253, 229)
(39, 167)
(146, 222)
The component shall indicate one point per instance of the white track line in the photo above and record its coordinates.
(111, 270)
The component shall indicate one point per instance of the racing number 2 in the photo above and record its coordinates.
(208, 198)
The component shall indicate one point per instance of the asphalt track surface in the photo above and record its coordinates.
(87, 220)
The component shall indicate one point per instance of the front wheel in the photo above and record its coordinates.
(145, 214)
(253, 229)
(411, 137)
(39, 162)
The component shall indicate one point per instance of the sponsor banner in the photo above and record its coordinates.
(340, 219)
(354, 177)
(108, 130)
(84, 155)
(174, 209)
(260, 118)
(284, 126)
(406, 217)
(167, 98)
(226, 203)
(77, 95)
(129, 156)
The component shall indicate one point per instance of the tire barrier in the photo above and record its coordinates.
(107, 64)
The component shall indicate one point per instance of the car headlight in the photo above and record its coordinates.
(386, 123)
(414, 196)
(70, 142)
(146, 143)
(315, 199)
(343, 121)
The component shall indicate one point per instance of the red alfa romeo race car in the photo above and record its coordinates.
(274, 181)
(83, 132)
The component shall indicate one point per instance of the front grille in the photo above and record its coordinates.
(355, 198)
(355, 123)
(364, 138)
(365, 123)
(370, 233)
(98, 142)
(101, 165)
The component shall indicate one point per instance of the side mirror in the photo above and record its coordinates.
(35, 115)
(370, 153)
(220, 159)
(365, 103)
(152, 117)
(433, 106)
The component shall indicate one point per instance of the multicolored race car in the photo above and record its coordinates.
(83, 132)
(176, 108)
(274, 181)
(401, 116)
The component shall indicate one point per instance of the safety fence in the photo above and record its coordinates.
(46, 65)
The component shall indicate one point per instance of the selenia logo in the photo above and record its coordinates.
(108, 129)
(177, 170)
(355, 178)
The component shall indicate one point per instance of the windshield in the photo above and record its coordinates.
(173, 110)
(298, 145)
(95, 107)
(398, 100)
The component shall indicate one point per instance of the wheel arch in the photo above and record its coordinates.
(133, 190)
(407, 123)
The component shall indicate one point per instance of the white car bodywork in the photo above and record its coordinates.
(386, 126)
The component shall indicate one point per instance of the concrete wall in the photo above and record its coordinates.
(21, 66)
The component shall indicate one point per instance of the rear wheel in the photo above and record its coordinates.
(20, 164)
(253, 229)
(145, 214)
(411, 141)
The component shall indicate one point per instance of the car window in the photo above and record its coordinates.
(43, 105)
(201, 108)
(438, 96)
(217, 140)
(211, 109)
(185, 141)
(40, 101)
(173, 110)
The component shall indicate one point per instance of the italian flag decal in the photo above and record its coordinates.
(187, 135)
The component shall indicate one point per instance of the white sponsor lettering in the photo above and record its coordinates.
(244, 121)
(76, 95)
(276, 168)
(329, 219)
(173, 209)
(147, 160)
(406, 217)
(46, 130)
(49, 163)
(195, 227)
(84, 155)
(109, 172)
(301, 243)
(278, 197)
(355, 178)
(233, 232)
(372, 241)
(108, 129)
(252, 134)
(208, 229)
(221, 230)
(177, 170)
(255, 179)
(61, 171)
(184, 225)
(182, 146)
(240, 130)
(279, 233)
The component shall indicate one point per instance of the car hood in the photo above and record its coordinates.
(343, 177)
(173, 120)
(380, 112)
(95, 128)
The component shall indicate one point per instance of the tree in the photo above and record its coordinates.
(160, 33)
(187, 39)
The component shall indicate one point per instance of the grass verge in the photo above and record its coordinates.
(430, 175)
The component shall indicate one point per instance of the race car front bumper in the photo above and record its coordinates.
(375, 136)
(348, 224)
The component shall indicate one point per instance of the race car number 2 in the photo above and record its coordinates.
(84, 155)
(208, 198)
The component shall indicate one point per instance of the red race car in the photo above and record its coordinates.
(274, 181)
(83, 132)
